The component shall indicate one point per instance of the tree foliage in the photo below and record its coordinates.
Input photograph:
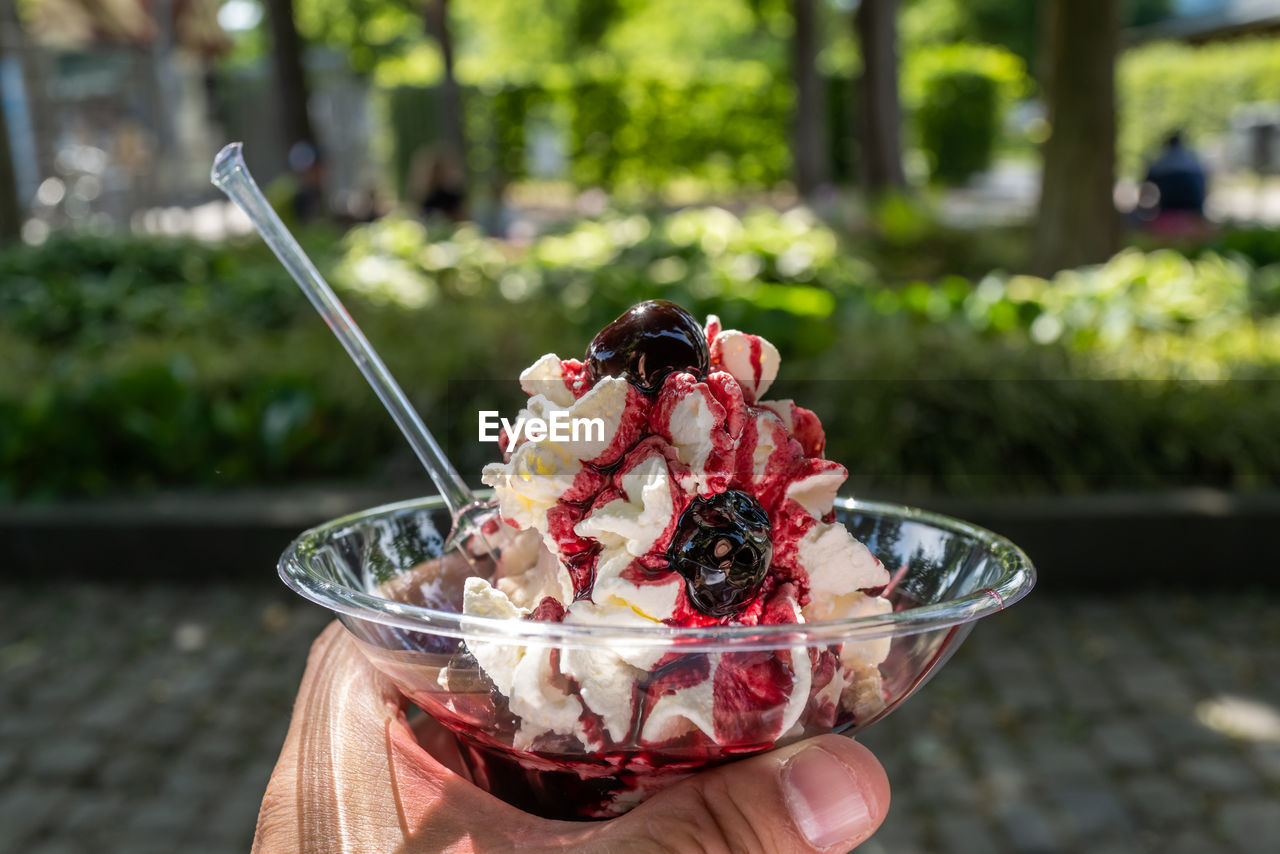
(527, 41)
(369, 32)
(524, 41)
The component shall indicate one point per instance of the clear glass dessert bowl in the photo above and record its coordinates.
(697, 696)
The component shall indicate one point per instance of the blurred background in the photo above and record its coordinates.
(1021, 258)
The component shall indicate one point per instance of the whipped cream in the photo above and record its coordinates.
(634, 523)
(752, 360)
(596, 518)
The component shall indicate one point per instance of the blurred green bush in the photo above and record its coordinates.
(958, 123)
(621, 131)
(724, 125)
(1259, 245)
(958, 95)
(136, 363)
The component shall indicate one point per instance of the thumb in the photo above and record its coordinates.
(826, 793)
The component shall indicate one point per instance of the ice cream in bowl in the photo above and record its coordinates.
(678, 581)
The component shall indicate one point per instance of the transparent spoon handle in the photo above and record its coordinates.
(231, 176)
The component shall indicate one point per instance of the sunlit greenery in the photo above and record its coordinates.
(509, 42)
(618, 69)
(959, 94)
(135, 363)
(1001, 65)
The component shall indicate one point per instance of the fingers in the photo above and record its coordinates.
(824, 794)
(836, 793)
(334, 764)
(352, 775)
(339, 701)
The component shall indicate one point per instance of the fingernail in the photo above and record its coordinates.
(824, 798)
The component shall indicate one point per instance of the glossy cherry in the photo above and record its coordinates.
(648, 342)
(722, 549)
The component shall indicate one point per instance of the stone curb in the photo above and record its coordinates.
(1188, 538)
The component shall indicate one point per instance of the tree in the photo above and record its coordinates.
(1077, 222)
(452, 120)
(881, 113)
(10, 206)
(591, 20)
(1013, 25)
(290, 76)
(809, 135)
(1141, 13)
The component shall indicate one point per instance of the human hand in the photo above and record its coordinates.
(354, 776)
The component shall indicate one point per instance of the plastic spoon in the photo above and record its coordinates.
(231, 176)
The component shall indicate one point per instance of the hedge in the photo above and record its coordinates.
(137, 363)
(726, 127)
(958, 123)
(622, 131)
(730, 128)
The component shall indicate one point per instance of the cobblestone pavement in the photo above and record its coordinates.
(148, 719)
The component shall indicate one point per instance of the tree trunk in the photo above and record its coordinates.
(809, 137)
(10, 205)
(1077, 222)
(881, 145)
(291, 80)
(452, 126)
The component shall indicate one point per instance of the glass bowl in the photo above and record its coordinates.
(657, 702)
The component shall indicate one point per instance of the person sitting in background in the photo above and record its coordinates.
(1178, 179)
(438, 182)
(308, 169)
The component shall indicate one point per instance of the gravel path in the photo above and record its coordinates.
(147, 719)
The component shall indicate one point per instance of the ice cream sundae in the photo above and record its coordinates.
(696, 501)
(670, 588)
